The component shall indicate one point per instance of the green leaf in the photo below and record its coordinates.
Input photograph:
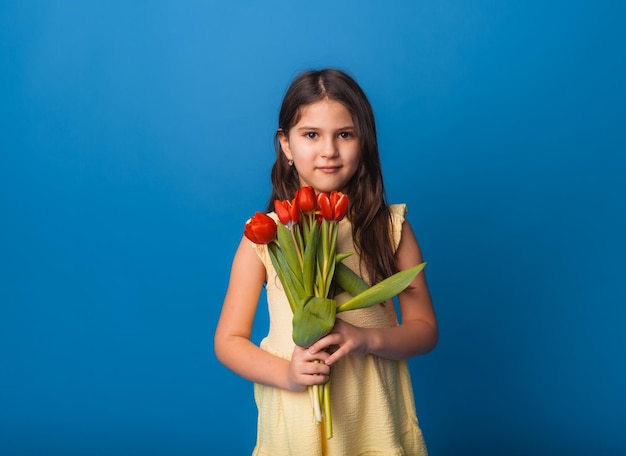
(383, 290)
(313, 320)
(289, 249)
(297, 229)
(349, 280)
(343, 256)
(292, 286)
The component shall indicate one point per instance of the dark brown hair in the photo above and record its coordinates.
(368, 212)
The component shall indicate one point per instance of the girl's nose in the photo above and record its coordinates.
(330, 149)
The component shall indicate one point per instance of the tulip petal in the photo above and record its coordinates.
(282, 211)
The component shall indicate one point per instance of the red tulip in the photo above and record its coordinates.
(305, 199)
(288, 212)
(333, 206)
(261, 229)
(339, 202)
(323, 202)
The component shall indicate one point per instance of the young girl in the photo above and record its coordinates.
(326, 139)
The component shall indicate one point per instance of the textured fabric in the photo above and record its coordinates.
(371, 397)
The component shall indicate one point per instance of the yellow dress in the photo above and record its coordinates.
(372, 400)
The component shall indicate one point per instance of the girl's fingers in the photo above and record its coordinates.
(311, 353)
(314, 373)
(327, 341)
(317, 369)
(336, 356)
(308, 369)
(311, 363)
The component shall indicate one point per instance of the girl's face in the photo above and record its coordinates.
(323, 146)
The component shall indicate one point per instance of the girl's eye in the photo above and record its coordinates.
(311, 135)
(345, 135)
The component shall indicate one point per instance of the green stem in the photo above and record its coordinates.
(332, 254)
(316, 404)
(297, 244)
(328, 418)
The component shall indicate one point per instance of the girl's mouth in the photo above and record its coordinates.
(328, 169)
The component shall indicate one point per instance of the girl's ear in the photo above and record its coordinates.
(284, 144)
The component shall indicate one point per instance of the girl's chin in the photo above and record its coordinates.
(325, 187)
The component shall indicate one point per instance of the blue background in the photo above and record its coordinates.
(136, 138)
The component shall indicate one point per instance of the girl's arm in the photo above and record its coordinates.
(417, 334)
(232, 337)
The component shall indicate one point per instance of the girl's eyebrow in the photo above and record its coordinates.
(304, 127)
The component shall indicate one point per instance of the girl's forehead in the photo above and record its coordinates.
(325, 110)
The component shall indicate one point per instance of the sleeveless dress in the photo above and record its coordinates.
(372, 399)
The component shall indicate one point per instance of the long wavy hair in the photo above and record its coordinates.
(368, 211)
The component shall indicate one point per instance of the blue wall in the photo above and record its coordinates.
(136, 138)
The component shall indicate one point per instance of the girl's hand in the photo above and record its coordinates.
(307, 368)
(349, 338)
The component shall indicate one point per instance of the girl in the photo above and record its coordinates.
(326, 139)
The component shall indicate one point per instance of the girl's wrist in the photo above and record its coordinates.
(373, 341)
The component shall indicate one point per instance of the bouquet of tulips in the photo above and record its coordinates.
(302, 248)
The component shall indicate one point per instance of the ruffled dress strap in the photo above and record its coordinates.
(398, 215)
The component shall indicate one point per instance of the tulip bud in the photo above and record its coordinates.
(339, 203)
(260, 229)
(288, 212)
(323, 202)
(305, 198)
(333, 206)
